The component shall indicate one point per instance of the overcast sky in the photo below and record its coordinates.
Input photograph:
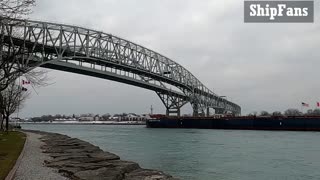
(258, 66)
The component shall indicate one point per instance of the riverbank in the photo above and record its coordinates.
(88, 123)
(77, 159)
(31, 164)
(11, 145)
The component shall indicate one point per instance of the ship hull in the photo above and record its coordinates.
(245, 123)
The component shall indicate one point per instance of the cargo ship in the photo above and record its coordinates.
(293, 123)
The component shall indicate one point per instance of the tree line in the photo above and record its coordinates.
(104, 117)
(12, 94)
(288, 112)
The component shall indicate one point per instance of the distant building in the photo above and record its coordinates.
(60, 119)
(134, 117)
(72, 119)
(96, 118)
(115, 118)
(86, 118)
(15, 119)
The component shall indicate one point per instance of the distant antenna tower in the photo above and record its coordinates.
(151, 108)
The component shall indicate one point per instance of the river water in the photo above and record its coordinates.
(206, 154)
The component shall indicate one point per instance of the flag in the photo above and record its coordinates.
(25, 82)
(318, 104)
(305, 104)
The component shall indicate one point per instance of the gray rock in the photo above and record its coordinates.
(125, 166)
(116, 170)
(68, 157)
(77, 159)
(71, 168)
(105, 155)
(147, 174)
(100, 174)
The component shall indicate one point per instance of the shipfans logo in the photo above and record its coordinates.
(278, 11)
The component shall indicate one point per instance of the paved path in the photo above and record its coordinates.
(32, 164)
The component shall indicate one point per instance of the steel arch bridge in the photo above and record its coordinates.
(94, 53)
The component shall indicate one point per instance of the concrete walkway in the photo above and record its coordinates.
(32, 163)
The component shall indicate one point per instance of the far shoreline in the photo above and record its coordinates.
(82, 123)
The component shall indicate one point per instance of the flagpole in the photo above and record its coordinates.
(20, 91)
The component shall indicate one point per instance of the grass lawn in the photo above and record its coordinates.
(11, 145)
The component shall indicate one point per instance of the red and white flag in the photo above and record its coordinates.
(318, 104)
(25, 82)
(305, 104)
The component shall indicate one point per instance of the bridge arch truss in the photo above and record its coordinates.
(94, 53)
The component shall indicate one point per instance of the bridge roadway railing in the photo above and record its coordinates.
(51, 42)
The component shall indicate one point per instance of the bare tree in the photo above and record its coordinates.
(12, 99)
(8, 57)
(15, 8)
(106, 117)
(316, 112)
(292, 112)
(37, 78)
(264, 113)
(277, 113)
(10, 68)
(309, 112)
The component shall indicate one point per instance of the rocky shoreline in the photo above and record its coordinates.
(77, 159)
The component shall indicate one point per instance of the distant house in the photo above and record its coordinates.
(96, 118)
(60, 119)
(86, 118)
(15, 119)
(131, 117)
(134, 117)
(115, 118)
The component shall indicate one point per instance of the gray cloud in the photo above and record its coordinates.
(259, 66)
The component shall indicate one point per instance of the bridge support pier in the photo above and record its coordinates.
(198, 110)
(208, 112)
(174, 112)
(219, 111)
(195, 110)
(173, 104)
